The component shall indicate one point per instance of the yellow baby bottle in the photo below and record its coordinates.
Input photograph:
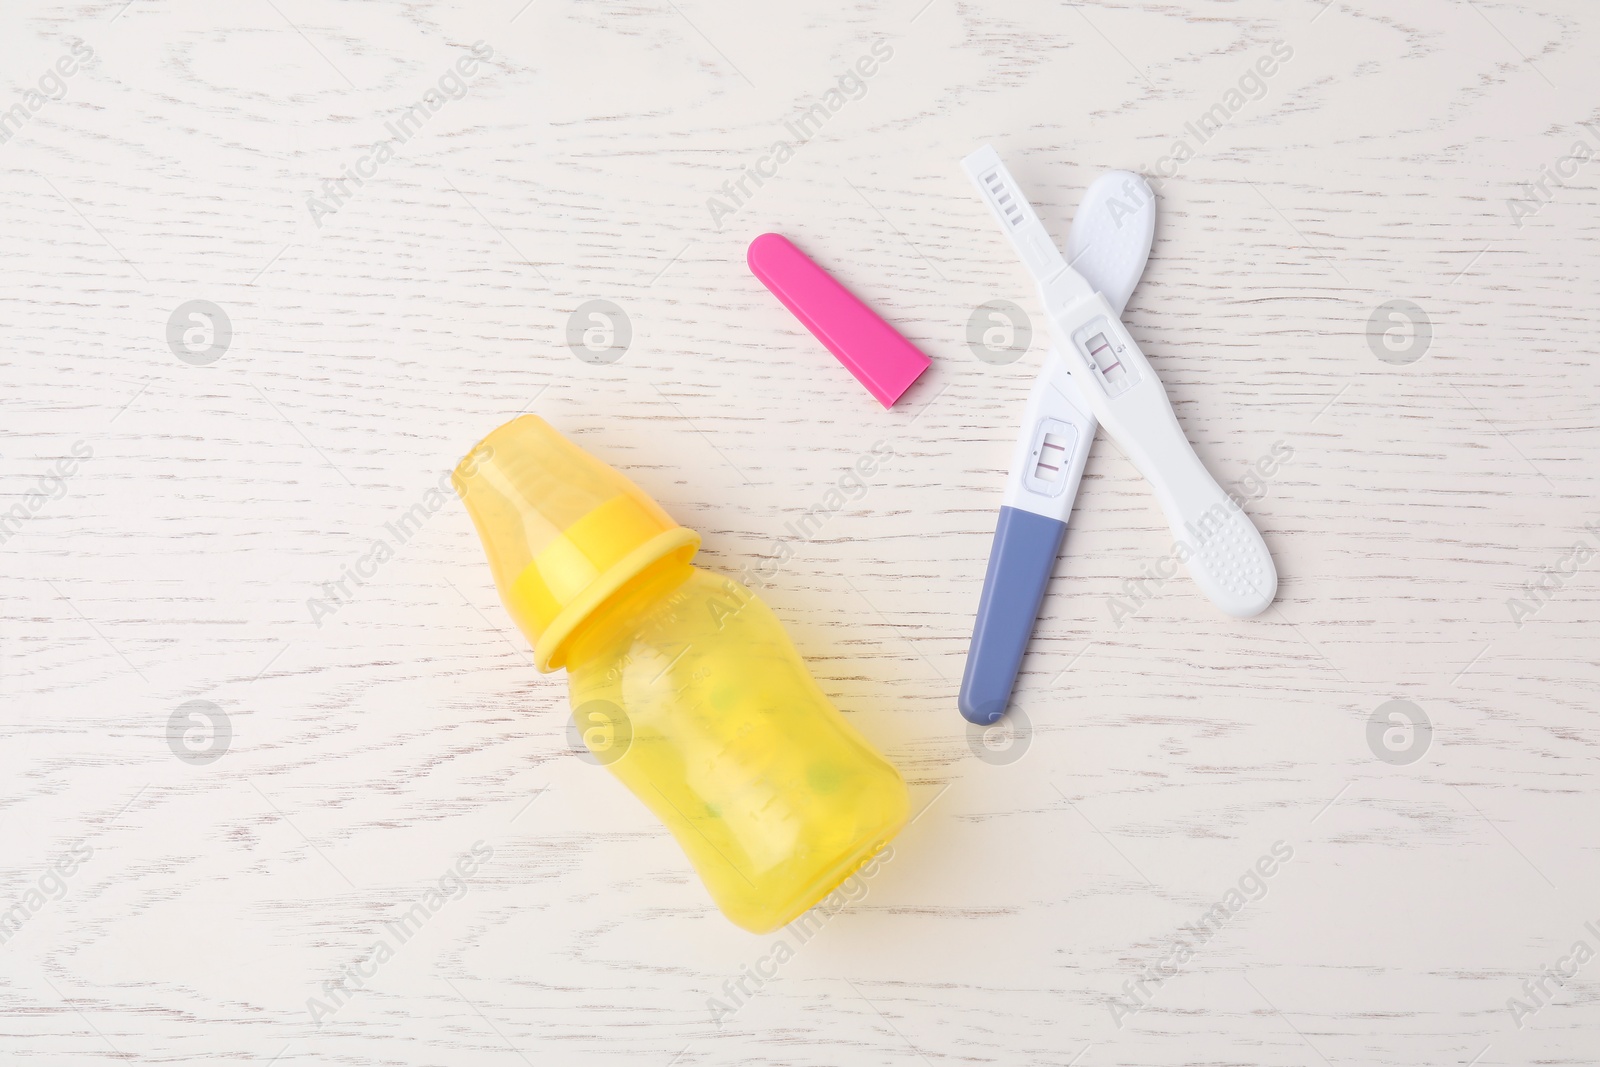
(691, 692)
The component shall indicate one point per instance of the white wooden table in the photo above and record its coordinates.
(195, 515)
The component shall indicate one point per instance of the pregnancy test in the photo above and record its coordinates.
(1223, 550)
(1109, 244)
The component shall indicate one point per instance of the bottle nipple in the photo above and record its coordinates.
(563, 531)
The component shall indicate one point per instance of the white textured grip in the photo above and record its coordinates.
(1232, 566)
(1211, 534)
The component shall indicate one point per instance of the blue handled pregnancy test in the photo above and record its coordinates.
(1108, 245)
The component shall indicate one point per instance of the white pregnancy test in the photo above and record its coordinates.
(1222, 548)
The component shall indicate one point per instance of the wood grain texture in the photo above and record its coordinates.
(373, 746)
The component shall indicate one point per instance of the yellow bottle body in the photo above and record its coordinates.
(708, 715)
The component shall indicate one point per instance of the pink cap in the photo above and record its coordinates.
(882, 360)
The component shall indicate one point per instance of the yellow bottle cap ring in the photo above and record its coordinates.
(532, 594)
